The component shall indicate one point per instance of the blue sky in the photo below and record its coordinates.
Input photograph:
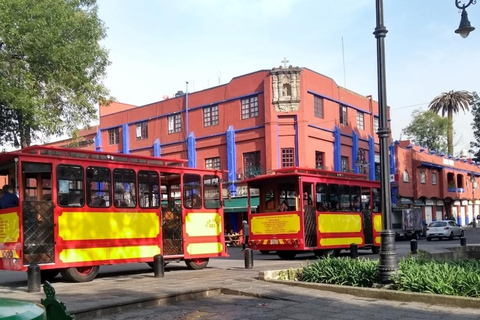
(155, 46)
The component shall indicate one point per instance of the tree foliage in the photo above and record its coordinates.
(475, 145)
(51, 68)
(428, 129)
(449, 103)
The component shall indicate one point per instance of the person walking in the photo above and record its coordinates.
(246, 233)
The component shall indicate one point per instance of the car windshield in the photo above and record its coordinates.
(438, 224)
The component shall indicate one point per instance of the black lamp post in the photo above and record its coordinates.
(474, 186)
(465, 28)
(388, 263)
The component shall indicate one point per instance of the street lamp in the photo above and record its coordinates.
(465, 28)
(388, 263)
(474, 186)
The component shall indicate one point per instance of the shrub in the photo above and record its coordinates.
(343, 271)
(458, 278)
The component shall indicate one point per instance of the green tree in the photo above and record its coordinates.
(475, 145)
(51, 68)
(428, 129)
(449, 103)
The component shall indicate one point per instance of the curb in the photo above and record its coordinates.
(402, 296)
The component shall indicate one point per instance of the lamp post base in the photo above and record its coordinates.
(388, 263)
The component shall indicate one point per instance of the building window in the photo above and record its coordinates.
(251, 163)
(318, 107)
(287, 157)
(375, 124)
(142, 130)
(434, 178)
(423, 177)
(210, 116)
(212, 163)
(405, 176)
(345, 167)
(319, 160)
(343, 114)
(360, 120)
(174, 123)
(250, 107)
(113, 136)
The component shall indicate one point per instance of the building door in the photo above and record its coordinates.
(439, 213)
(428, 214)
(462, 216)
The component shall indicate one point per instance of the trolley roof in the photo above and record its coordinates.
(292, 172)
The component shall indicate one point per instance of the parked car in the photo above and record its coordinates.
(444, 229)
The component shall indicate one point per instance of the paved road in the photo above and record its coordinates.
(226, 290)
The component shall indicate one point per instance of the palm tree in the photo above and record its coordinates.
(450, 103)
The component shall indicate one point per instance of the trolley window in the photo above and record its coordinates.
(125, 191)
(211, 189)
(321, 197)
(376, 200)
(70, 189)
(192, 193)
(148, 189)
(98, 190)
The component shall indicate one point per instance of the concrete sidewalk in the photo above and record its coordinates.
(233, 293)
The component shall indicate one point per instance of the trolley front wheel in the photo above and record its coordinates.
(196, 264)
(80, 274)
(286, 255)
(49, 274)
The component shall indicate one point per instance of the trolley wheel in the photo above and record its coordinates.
(196, 264)
(49, 274)
(264, 251)
(80, 274)
(286, 255)
(375, 250)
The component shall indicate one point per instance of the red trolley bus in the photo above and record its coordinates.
(314, 210)
(82, 209)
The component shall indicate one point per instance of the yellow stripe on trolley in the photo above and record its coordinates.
(203, 224)
(9, 227)
(204, 248)
(340, 241)
(339, 223)
(108, 225)
(111, 253)
(377, 223)
(378, 240)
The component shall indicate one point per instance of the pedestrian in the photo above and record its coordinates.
(9, 199)
(246, 233)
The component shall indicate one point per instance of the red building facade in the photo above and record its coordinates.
(269, 119)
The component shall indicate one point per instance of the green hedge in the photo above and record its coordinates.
(458, 278)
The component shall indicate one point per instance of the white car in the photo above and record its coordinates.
(444, 229)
